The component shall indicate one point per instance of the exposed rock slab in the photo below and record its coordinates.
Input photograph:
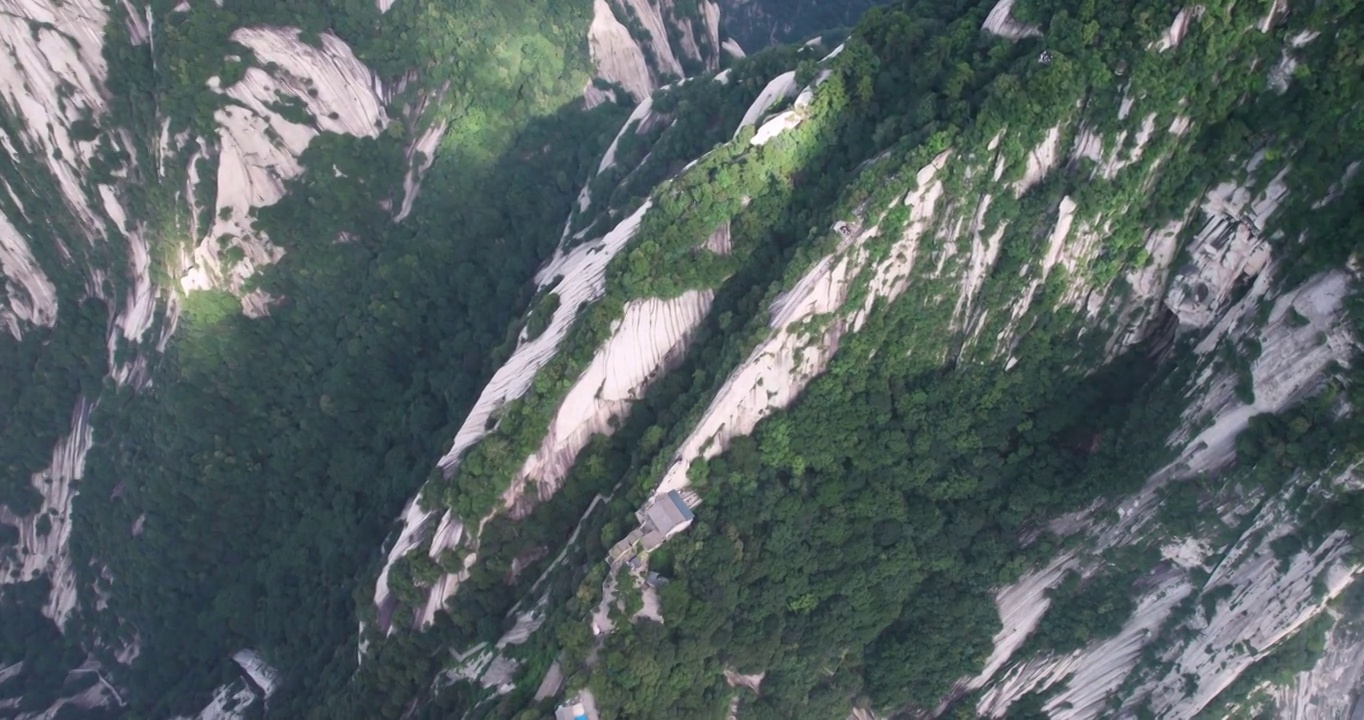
(783, 364)
(260, 147)
(32, 296)
(779, 88)
(1000, 22)
(616, 55)
(46, 553)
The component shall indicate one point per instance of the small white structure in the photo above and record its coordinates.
(665, 516)
(581, 707)
(574, 711)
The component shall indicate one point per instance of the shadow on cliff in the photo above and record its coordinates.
(271, 455)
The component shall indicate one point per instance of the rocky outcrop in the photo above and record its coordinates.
(1267, 605)
(1332, 688)
(1000, 22)
(52, 73)
(95, 693)
(617, 56)
(52, 79)
(1091, 146)
(262, 675)
(1041, 161)
(32, 296)
(782, 87)
(1268, 600)
(701, 44)
(237, 700)
(651, 336)
(649, 14)
(638, 117)
(1174, 34)
(636, 44)
(420, 155)
(578, 276)
(42, 546)
(414, 522)
(260, 143)
(1228, 249)
(230, 702)
(1293, 361)
(647, 341)
(793, 353)
(779, 88)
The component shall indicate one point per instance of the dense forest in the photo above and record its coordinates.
(270, 456)
(850, 549)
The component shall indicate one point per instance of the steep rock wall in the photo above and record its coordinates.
(259, 146)
(780, 367)
(42, 547)
(650, 15)
(1227, 254)
(578, 276)
(642, 45)
(1332, 687)
(648, 339)
(32, 297)
(617, 56)
(1268, 601)
(52, 81)
(52, 73)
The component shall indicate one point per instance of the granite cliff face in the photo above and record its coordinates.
(704, 284)
(1210, 278)
(131, 199)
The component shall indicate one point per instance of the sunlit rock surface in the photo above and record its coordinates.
(779, 88)
(260, 146)
(1174, 34)
(52, 72)
(1000, 22)
(651, 336)
(578, 276)
(783, 364)
(641, 45)
(617, 56)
